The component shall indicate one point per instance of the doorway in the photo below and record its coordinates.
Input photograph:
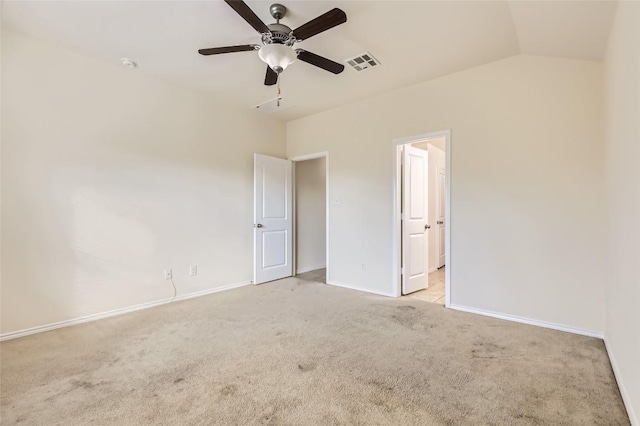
(421, 212)
(291, 218)
(436, 190)
(310, 217)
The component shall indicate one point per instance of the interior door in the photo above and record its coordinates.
(273, 223)
(415, 238)
(441, 218)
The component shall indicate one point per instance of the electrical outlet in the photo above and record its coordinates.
(193, 270)
(168, 274)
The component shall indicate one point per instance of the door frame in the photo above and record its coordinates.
(397, 202)
(297, 159)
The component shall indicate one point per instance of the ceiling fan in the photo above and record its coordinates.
(277, 49)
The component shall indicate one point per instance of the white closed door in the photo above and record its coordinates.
(441, 217)
(415, 238)
(273, 223)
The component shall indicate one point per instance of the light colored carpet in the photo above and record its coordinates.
(301, 353)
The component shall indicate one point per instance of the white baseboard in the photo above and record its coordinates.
(353, 287)
(626, 399)
(528, 321)
(309, 269)
(102, 315)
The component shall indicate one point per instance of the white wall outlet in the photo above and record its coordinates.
(193, 270)
(168, 274)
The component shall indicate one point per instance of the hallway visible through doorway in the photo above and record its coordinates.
(318, 276)
(421, 219)
(435, 292)
(310, 216)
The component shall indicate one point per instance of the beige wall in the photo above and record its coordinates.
(526, 181)
(109, 177)
(311, 214)
(622, 156)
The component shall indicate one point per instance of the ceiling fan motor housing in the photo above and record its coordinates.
(279, 34)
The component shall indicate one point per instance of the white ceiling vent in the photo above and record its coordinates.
(363, 61)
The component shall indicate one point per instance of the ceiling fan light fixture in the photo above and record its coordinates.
(277, 56)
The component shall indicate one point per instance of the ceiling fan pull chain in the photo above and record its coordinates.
(278, 97)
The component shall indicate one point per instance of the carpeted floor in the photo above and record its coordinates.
(295, 352)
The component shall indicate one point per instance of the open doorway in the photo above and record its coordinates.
(421, 225)
(436, 190)
(291, 218)
(310, 217)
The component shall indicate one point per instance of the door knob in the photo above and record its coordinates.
(427, 227)
(440, 222)
(259, 225)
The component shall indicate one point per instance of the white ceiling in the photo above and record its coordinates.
(414, 40)
(572, 29)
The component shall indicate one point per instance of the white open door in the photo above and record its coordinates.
(441, 215)
(415, 238)
(273, 222)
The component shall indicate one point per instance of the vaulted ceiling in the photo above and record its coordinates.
(414, 41)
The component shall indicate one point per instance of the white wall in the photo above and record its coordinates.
(108, 177)
(622, 155)
(527, 185)
(311, 212)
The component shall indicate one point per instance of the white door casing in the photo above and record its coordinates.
(441, 215)
(273, 219)
(415, 238)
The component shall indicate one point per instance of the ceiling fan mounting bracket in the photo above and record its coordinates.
(278, 11)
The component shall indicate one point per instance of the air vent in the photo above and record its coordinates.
(363, 61)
